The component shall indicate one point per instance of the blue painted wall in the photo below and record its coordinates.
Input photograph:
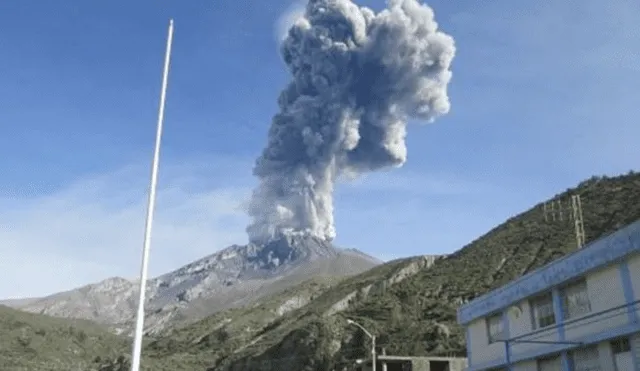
(595, 255)
(629, 297)
(599, 337)
(632, 326)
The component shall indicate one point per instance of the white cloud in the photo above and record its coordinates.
(294, 12)
(93, 229)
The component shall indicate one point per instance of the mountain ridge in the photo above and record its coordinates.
(235, 276)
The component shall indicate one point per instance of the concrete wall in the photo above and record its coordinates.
(423, 364)
(481, 350)
(633, 265)
(526, 366)
(614, 285)
(604, 351)
(605, 292)
(635, 349)
(419, 363)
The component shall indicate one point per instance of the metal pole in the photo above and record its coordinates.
(373, 341)
(137, 342)
(373, 353)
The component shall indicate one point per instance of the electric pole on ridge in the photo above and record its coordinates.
(556, 211)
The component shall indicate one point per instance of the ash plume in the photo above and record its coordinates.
(357, 77)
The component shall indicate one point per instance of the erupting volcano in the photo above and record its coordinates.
(357, 78)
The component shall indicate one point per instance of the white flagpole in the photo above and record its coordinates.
(137, 342)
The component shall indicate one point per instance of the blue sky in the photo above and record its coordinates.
(544, 94)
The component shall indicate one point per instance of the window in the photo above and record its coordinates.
(550, 364)
(495, 328)
(543, 314)
(575, 300)
(620, 346)
(586, 359)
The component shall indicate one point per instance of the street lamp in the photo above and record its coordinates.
(373, 342)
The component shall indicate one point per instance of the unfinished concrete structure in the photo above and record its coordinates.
(405, 363)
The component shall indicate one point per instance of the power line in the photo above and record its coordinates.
(582, 321)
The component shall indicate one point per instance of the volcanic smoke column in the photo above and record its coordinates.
(358, 77)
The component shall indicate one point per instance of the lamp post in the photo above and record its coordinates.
(373, 342)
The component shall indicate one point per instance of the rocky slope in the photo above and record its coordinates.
(235, 332)
(411, 316)
(234, 277)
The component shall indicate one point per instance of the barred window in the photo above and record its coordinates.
(620, 346)
(586, 359)
(543, 313)
(495, 328)
(575, 300)
(550, 364)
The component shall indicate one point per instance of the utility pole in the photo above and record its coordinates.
(374, 358)
(555, 211)
(576, 206)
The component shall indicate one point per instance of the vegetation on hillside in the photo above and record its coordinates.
(415, 316)
(418, 315)
(32, 342)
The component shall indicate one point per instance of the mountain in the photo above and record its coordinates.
(410, 304)
(231, 278)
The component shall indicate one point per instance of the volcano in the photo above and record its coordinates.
(234, 277)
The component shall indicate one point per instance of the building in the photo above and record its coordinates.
(402, 363)
(577, 313)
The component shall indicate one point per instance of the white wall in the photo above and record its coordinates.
(523, 325)
(604, 352)
(635, 346)
(634, 269)
(605, 292)
(481, 350)
(526, 366)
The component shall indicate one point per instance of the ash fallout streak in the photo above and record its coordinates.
(357, 77)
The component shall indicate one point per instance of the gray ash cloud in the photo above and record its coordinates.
(357, 77)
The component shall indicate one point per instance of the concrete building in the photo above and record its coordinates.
(402, 363)
(578, 313)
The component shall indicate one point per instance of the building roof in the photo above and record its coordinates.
(599, 253)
